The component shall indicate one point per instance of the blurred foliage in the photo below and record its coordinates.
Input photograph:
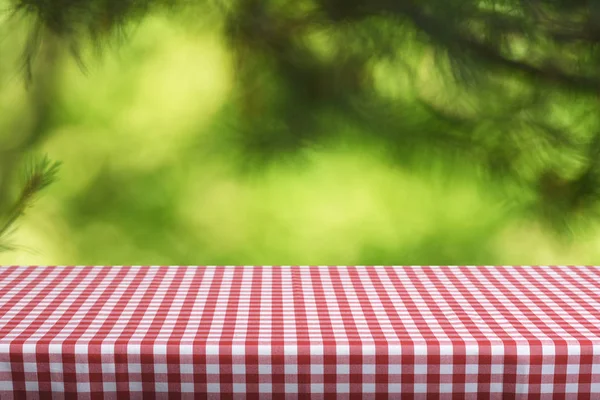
(312, 131)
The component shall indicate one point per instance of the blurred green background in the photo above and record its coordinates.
(150, 175)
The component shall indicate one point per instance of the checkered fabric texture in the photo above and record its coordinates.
(299, 332)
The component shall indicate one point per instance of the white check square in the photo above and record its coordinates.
(316, 369)
(291, 369)
(265, 388)
(186, 369)
(239, 388)
(368, 388)
(134, 368)
(213, 388)
(446, 369)
(187, 387)
(317, 387)
(291, 388)
(571, 388)
(161, 387)
(394, 388)
(160, 368)
(471, 387)
(420, 369)
(343, 388)
(29, 367)
(212, 368)
(108, 368)
(420, 387)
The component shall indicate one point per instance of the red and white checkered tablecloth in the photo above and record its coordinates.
(299, 332)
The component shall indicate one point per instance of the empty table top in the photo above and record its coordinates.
(294, 331)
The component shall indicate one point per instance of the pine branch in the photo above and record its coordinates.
(39, 175)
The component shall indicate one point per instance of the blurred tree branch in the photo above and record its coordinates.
(38, 172)
(513, 59)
